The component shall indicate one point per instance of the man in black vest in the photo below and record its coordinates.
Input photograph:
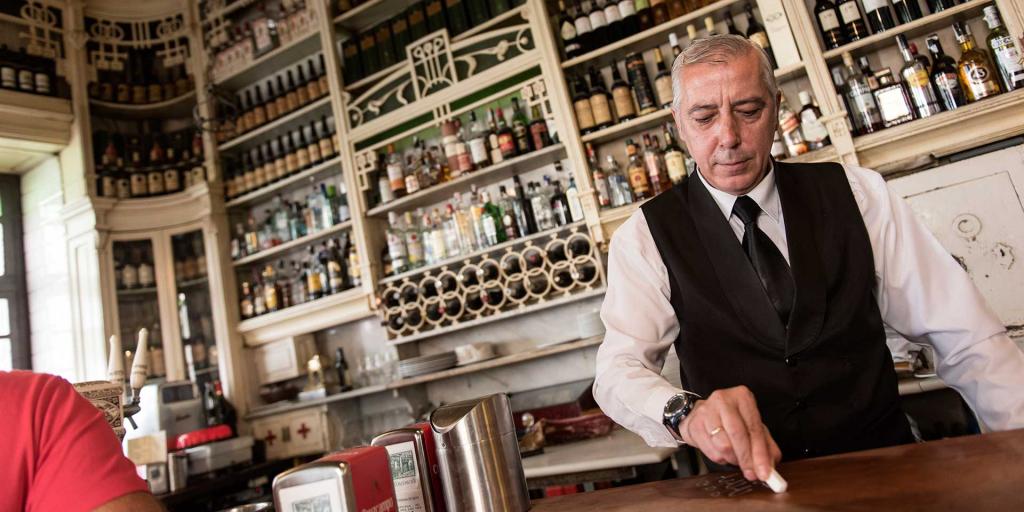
(772, 281)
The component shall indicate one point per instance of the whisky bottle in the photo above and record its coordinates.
(894, 104)
(659, 10)
(675, 158)
(636, 69)
(862, 102)
(663, 80)
(567, 31)
(600, 101)
(1004, 51)
(598, 177)
(622, 95)
(636, 172)
(789, 125)
(977, 75)
(582, 107)
(852, 19)
(944, 75)
(915, 76)
(815, 133)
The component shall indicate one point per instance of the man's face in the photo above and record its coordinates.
(728, 118)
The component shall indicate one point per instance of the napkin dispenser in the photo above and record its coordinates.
(478, 455)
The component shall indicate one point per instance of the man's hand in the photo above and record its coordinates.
(727, 428)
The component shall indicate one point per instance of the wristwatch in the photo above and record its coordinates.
(676, 410)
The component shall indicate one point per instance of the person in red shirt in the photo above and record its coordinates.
(59, 454)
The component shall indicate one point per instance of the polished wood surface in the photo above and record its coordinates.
(973, 473)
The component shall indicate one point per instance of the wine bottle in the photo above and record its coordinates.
(636, 69)
(600, 100)
(567, 31)
(584, 30)
(944, 76)
(663, 80)
(879, 15)
(828, 22)
(756, 33)
(853, 20)
(622, 96)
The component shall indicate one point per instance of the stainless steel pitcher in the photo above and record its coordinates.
(479, 456)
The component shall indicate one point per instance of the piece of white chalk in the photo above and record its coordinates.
(777, 484)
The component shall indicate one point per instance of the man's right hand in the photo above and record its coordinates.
(727, 428)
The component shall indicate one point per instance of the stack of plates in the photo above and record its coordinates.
(427, 364)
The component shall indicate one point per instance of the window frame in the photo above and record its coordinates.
(12, 284)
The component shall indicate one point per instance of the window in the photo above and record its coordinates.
(14, 334)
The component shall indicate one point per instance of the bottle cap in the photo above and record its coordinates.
(805, 98)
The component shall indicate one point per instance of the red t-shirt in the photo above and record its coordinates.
(58, 453)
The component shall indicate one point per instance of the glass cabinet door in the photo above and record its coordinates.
(137, 301)
(195, 314)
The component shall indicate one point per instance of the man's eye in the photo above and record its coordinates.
(750, 113)
(703, 120)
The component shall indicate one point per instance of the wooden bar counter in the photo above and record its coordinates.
(973, 473)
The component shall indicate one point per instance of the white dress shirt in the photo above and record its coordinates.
(922, 293)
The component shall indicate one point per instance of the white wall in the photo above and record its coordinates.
(46, 266)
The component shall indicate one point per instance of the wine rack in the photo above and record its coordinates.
(526, 274)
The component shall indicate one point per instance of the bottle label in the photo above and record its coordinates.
(396, 177)
(314, 284)
(314, 153)
(601, 109)
(334, 271)
(597, 19)
(676, 164)
(478, 150)
(171, 180)
(828, 20)
(980, 80)
(813, 130)
(138, 184)
(611, 13)
(507, 144)
(8, 77)
(627, 8)
(638, 179)
(412, 183)
(584, 114)
(949, 88)
(874, 5)
(623, 98)
(864, 102)
(109, 187)
(42, 83)
(583, 25)
(663, 88)
(1009, 60)
(496, 155)
(415, 248)
(568, 32)
(156, 182)
(25, 81)
(849, 12)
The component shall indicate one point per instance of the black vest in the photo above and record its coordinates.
(825, 383)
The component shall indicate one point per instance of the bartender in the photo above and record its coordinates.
(773, 282)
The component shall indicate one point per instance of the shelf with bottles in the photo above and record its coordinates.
(908, 26)
(240, 62)
(282, 164)
(375, 38)
(645, 39)
(30, 74)
(189, 261)
(140, 159)
(142, 86)
(914, 88)
(179, 106)
(287, 97)
(290, 219)
(133, 268)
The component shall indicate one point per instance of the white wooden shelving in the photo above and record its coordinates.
(287, 183)
(287, 123)
(181, 106)
(292, 244)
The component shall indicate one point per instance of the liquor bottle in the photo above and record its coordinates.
(919, 85)
(618, 185)
(413, 242)
(492, 139)
(789, 125)
(509, 218)
(730, 26)
(657, 176)
(525, 217)
(301, 87)
(894, 105)
(520, 129)
(865, 69)
(581, 106)
(614, 18)
(644, 14)
(815, 133)
(336, 275)
(455, 11)
(940, 5)
(636, 69)
(659, 9)
(673, 41)
(676, 8)
(977, 74)
(600, 101)
(675, 159)
(559, 202)
(862, 102)
(598, 21)
(462, 156)
(539, 127)
(476, 11)
(630, 21)
(598, 177)
(663, 80)
(271, 294)
(493, 222)
(567, 31)
(584, 30)
(853, 21)
(944, 75)
(757, 34)
(311, 271)
(906, 10)
(778, 150)
(341, 369)
(1004, 51)
(506, 138)
(622, 96)
(478, 142)
(396, 245)
(709, 26)
(395, 173)
(637, 173)
(879, 15)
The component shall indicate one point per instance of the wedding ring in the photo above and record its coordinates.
(716, 430)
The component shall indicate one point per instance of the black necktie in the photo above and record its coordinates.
(768, 262)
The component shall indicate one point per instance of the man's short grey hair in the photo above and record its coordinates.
(720, 49)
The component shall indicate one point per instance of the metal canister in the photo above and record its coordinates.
(478, 455)
(177, 470)
(354, 479)
(414, 467)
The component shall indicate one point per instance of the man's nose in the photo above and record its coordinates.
(728, 132)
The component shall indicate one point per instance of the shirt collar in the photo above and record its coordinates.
(765, 194)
